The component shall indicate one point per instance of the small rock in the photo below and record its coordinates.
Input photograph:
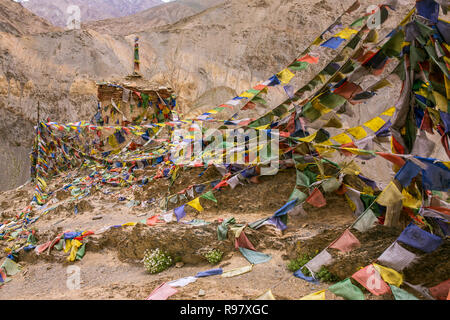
(201, 293)
(179, 264)
(305, 225)
(97, 218)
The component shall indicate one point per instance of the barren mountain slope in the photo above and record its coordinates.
(208, 58)
(158, 16)
(56, 11)
(17, 20)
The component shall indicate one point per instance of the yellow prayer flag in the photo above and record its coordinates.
(342, 138)
(68, 246)
(447, 87)
(320, 107)
(441, 101)
(317, 41)
(389, 112)
(346, 34)
(266, 296)
(247, 94)
(390, 195)
(73, 253)
(323, 150)
(350, 203)
(409, 201)
(196, 204)
(375, 124)
(358, 132)
(237, 271)
(381, 84)
(309, 138)
(319, 295)
(389, 275)
(285, 76)
(129, 224)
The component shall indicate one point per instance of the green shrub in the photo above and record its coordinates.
(323, 275)
(156, 261)
(214, 256)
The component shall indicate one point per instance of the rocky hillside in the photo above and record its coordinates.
(207, 58)
(155, 17)
(56, 11)
(15, 19)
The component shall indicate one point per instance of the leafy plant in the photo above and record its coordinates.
(296, 264)
(156, 261)
(323, 275)
(214, 256)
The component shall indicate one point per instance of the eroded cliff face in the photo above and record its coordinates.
(207, 58)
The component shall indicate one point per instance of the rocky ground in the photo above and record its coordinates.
(112, 267)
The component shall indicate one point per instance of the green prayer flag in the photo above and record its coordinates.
(254, 257)
(222, 230)
(347, 290)
(81, 252)
(11, 268)
(302, 179)
(297, 194)
(332, 100)
(331, 184)
(400, 294)
(209, 196)
(298, 66)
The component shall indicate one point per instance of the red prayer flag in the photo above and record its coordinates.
(346, 243)
(348, 90)
(441, 291)
(243, 242)
(309, 59)
(260, 87)
(317, 199)
(399, 161)
(221, 184)
(371, 279)
(152, 220)
(163, 292)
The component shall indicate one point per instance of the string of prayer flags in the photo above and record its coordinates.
(180, 213)
(196, 204)
(346, 243)
(370, 279)
(400, 294)
(322, 259)
(237, 271)
(163, 292)
(389, 275)
(420, 239)
(347, 290)
(397, 257)
(255, 257)
(319, 295)
(316, 199)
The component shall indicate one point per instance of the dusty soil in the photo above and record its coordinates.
(112, 267)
